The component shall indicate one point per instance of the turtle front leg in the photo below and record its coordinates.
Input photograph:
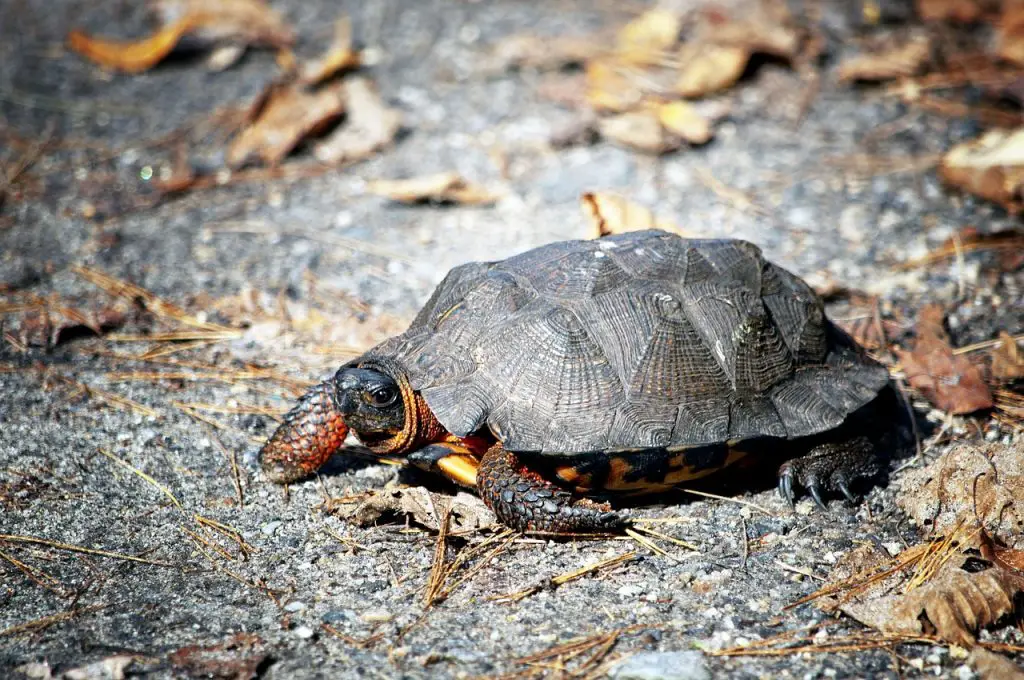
(525, 501)
(457, 459)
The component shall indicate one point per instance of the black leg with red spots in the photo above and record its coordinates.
(524, 500)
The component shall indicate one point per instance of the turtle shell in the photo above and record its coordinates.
(633, 341)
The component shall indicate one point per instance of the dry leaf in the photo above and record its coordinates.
(709, 68)
(950, 382)
(246, 22)
(52, 325)
(369, 126)
(340, 56)
(613, 214)
(991, 666)
(446, 187)
(896, 61)
(961, 11)
(1010, 35)
(963, 595)
(682, 120)
(543, 53)
(425, 508)
(967, 485)
(991, 166)
(639, 130)
(765, 29)
(647, 39)
(284, 115)
(609, 86)
(1007, 359)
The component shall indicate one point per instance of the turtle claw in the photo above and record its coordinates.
(786, 487)
(844, 488)
(815, 490)
(830, 468)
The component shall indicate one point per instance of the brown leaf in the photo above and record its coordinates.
(543, 53)
(445, 187)
(612, 214)
(284, 115)
(951, 382)
(1007, 359)
(765, 28)
(248, 22)
(237, 657)
(967, 485)
(610, 87)
(1010, 34)
(961, 11)
(681, 119)
(425, 508)
(991, 666)
(894, 61)
(639, 130)
(370, 125)
(340, 56)
(954, 602)
(54, 324)
(991, 166)
(710, 68)
(647, 39)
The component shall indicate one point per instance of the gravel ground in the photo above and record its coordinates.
(186, 610)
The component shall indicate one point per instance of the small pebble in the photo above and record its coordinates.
(304, 632)
(269, 528)
(295, 606)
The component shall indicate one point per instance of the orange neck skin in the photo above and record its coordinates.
(421, 428)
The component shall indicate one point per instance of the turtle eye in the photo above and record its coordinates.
(381, 396)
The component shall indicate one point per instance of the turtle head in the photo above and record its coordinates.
(370, 402)
(366, 400)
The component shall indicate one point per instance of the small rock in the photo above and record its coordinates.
(295, 606)
(662, 666)
(338, 616)
(631, 590)
(269, 528)
(304, 632)
(376, 616)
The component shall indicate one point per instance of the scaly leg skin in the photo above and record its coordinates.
(832, 466)
(310, 434)
(525, 501)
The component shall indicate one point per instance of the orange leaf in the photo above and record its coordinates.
(132, 56)
(952, 383)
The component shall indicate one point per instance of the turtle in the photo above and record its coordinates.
(558, 378)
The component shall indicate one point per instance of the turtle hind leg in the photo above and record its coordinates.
(525, 501)
(832, 467)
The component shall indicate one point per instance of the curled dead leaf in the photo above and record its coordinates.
(960, 11)
(640, 130)
(682, 119)
(445, 187)
(340, 56)
(991, 166)
(950, 382)
(613, 214)
(1010, 34)
(610, 87)
(543, 53)
(962, 595)
(282, 117)
(647, 39)
(1007, 359)
(369, 126)
(207, 22)
(992, 666)
(894, 61)
(968, 485)
(709, 68)
(425, 508)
